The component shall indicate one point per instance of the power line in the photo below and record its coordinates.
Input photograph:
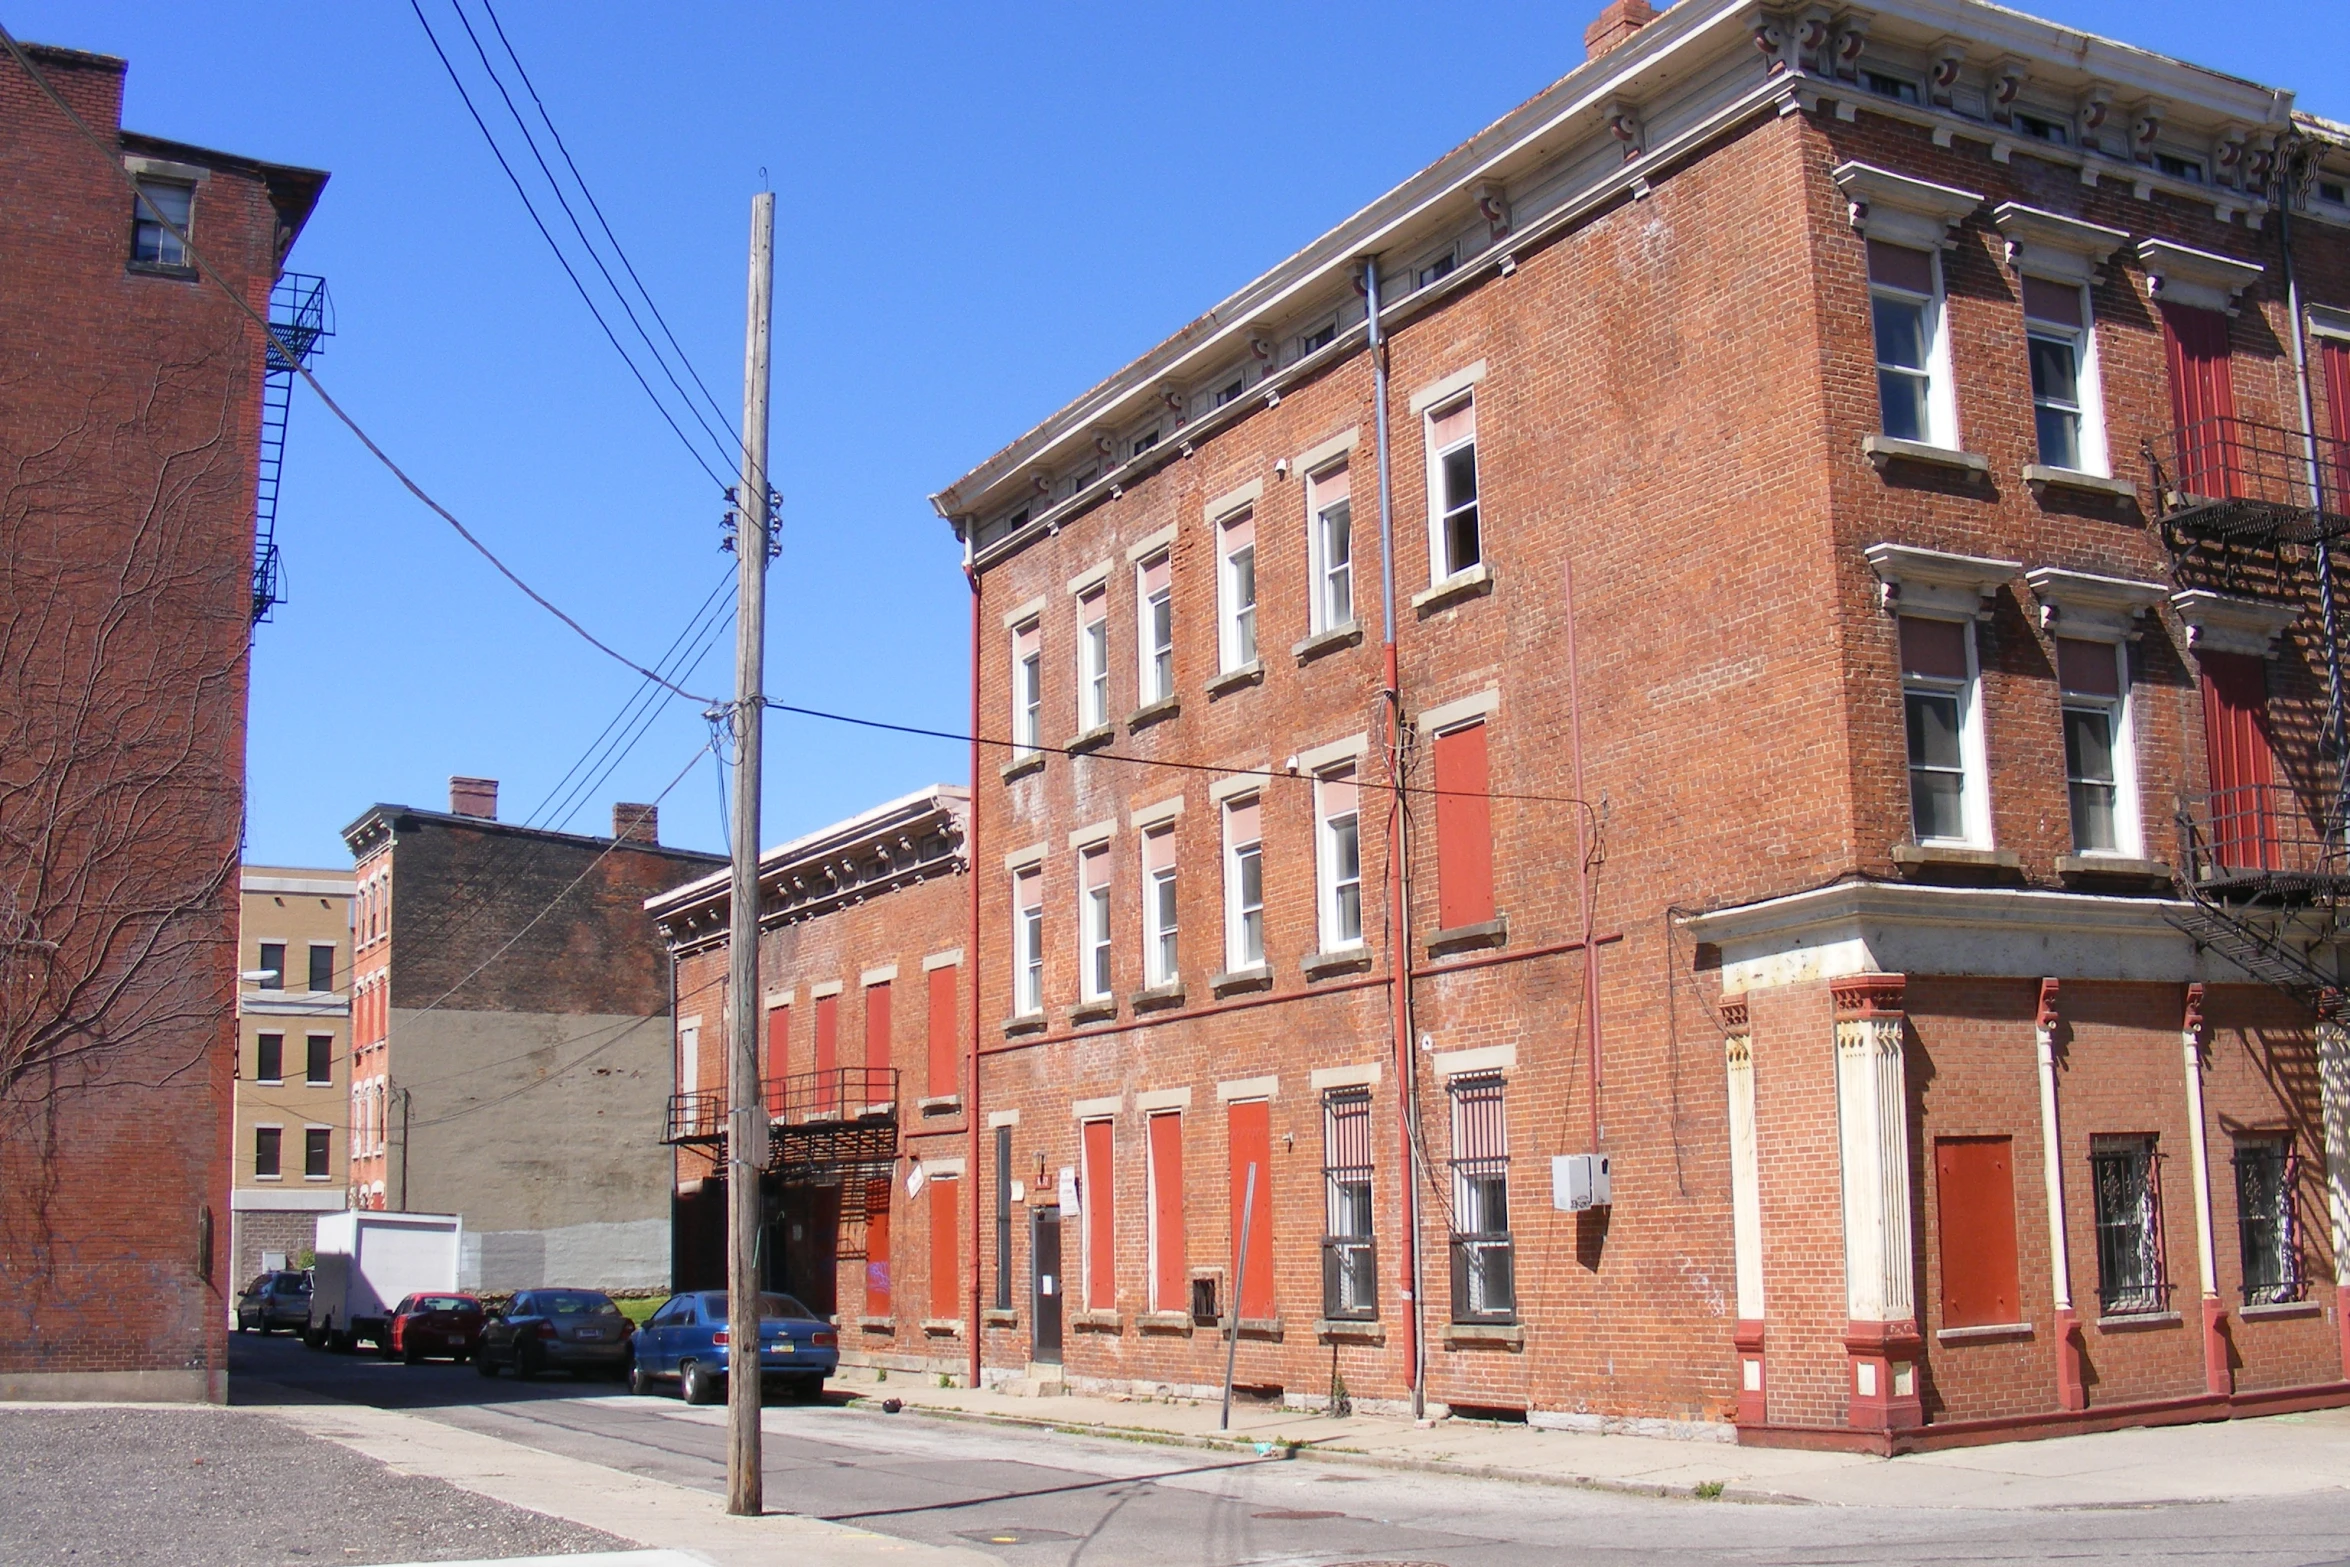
(560, 259)
(211, 274)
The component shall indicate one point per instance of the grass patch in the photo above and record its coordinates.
(637, 1311)
(1709, 1490)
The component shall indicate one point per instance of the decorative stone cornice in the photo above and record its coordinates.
(2050, 245)
(1904, 211)
(2082, 604)
(2182, 275)
(1935, 581)
(1860, 997)
(2217, 624)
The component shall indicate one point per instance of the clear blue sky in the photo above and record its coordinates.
(982, 210)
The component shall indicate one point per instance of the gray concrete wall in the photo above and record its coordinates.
(543, 1131)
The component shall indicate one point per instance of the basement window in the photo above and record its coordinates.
(2178, 168)
(1440, 267)
(1320, 337)
(1899, 88)
(2053, 132)
(1145, 441)
(1230, 393)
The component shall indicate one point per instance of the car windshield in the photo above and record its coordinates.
(771, 1307)
(573, 1303)
(293, 1284)
(443, 1303)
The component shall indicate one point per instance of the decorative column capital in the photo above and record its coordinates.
(1862, 997)
(1733, 1009)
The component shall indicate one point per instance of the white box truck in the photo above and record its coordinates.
(367, 1262)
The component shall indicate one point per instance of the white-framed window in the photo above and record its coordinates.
(1028, 940)
(2068, 410)
(1338, 858)
(1244, 884)
(1914, 399)
(1456, 540)
(689, 1058)
(1330, 549)
(1236, 549)
(1949, 791)
(1093, 921)
(159, 206)
(1027, 687)
(1093, 659)
(1154, 593)
(1158, 907)
(2100, 755)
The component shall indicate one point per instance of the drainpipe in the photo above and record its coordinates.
(2216, 1380)
(1588, 838)
(1399, 958)
(2071, 1391)
(971, 1181)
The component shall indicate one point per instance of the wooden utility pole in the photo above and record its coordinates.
(746, 1125)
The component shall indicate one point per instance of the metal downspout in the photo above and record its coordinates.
(971, 1177)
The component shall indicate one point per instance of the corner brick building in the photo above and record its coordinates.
(863, 1058)
(131, 429)
(1816, 562)
(510, 1037)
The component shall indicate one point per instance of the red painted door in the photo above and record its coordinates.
(2235, 736)
(1250, 1123)
(2333, 357)
(1100, 1206)
(2203, 401)
(943, 1075)
(1464, 829)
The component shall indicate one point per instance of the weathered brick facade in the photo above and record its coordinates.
(1652, 284)
(129, 433)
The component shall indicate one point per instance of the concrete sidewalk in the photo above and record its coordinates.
(2281, 1455)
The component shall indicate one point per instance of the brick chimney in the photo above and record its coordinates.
(1619, 21)
(474, 797)
(636, 823)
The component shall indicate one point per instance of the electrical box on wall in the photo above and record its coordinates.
(1579, 1182)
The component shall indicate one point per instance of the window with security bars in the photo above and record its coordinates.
(2124, 1176)
(1350, 1263)
(2265, 1170)
(1484, 1282)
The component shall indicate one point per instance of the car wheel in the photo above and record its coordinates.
(807, 1389)
(412, 1355)
(697, 1384)
(483, 1364)
(528, 1362)
(640, 1381)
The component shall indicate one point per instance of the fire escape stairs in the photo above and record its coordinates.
(2263, 954)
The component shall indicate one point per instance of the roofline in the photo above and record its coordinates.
(76, 59)
(293, 189)
(382, 812)
(954, 799)
(1319, 267)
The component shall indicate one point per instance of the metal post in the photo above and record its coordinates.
(746, 1131)
(1248, 1217)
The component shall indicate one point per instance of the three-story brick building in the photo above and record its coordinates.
(1761, 621)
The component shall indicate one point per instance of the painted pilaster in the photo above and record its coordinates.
(2216, 1377)
(1872, 1115)
(1745, 1211)
(2072, 1391)
(2333, 1067)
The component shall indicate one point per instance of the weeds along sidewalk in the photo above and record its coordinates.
(2281, 1455)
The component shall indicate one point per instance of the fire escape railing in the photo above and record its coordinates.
(2240, 480)
(2255, 861)
(300, 315)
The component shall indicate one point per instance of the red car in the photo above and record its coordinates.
(435, 1325)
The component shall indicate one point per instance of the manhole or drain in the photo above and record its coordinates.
(1296, 1514)
(1013, 1534)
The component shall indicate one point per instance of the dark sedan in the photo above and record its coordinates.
(427, 1325)
(688, 1339)
(579, 1331)
(275, 1300)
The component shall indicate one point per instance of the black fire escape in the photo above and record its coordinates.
(300, 314)
(836, 1128)
(2254, 511)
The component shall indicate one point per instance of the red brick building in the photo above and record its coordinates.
(863, 1057)
(1759, 620)
(130, 427)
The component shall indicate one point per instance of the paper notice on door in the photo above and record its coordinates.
(1069, 1202)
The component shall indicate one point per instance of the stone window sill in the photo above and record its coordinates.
(1475, 582)
(1099, 735)
(1494, 932)
(2111, 865)
(1321, 642)
(1257, 976)
(1322, 965)
(1094, 1012)
(1949, 854)
(2130, 1321)
(1029, 1023)
(2281, 1308)
(2041, 477)
(163, 270)
(887, 1325)
(1261, 1327)
(1142, 718)
(1987, 1330)
(942, 1327)
(940, 1104)
(998, 1317)
(1098, 1322)
(1157, 998)
(1511, 1334)
(1021, 766)
(1337, 1330)
(1176, 1322)
(1886, 450)
(1249, 674)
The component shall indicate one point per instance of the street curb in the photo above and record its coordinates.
(865, 1404)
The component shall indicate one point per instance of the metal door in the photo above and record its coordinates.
(1045, 1255)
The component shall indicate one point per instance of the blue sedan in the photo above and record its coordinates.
(687, 1339)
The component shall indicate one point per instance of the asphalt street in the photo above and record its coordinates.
(1030, 1497)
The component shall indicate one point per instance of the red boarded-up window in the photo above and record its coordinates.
(1249, 1124)
(1170, 1279)
(877, 1248)
(946, 1254)
(1464, 829)
(1101, 1221)
(943, 1075)
(827, 1049)
(778, 1055)
(2236, 742)
(2203, 399)
(877, 1038)
(2333, 357)
(1976, 1179)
